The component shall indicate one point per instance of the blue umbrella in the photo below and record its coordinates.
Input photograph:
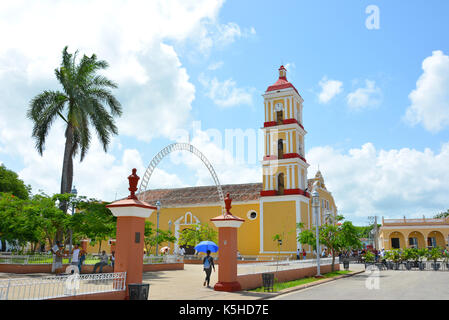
(203, 246)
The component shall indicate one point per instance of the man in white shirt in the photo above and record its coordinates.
(75, 255)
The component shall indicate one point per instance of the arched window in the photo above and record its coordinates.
(280, 149)
(280, 190)
(279, 117)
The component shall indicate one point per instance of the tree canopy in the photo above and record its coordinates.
(196, 234)
(334, 236)
(10, 182)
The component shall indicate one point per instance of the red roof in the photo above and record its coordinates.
(281, 83)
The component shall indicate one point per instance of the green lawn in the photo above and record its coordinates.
(278, 286)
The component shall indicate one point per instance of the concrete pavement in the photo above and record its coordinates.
(383, 285)
(186, 284)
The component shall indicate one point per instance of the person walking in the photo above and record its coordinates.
(208, 265)
(304, 254)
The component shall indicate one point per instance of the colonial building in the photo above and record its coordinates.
(274, 206)
(418, 233)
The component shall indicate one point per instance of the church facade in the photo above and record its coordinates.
(274, 206)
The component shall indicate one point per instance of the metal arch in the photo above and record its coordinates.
(178, 147)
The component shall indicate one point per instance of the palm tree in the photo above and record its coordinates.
(80, 104)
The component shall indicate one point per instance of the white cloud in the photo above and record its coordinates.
(226, 93)
(390, 183)
(329, 89)
(215, 65)
(228, 165)
(154, 87)
(131, 36)
(369, 96)
(430, 100)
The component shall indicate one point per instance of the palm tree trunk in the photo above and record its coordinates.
(67, 172)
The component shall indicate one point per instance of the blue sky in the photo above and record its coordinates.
(382, 151)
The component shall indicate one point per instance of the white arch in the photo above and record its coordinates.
(177, 147)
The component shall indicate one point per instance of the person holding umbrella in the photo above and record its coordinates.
(208, 261)
(208, 264)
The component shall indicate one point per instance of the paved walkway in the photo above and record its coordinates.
(185, 284)
(385, 285)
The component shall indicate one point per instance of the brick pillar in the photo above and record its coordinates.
(131, 214)
(227, 225)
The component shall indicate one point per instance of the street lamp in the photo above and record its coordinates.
(316, 209)
(74, 192)
(158, 205)
(169, 229)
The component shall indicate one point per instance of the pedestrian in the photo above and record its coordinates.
(102, 263)
(304, 254)
(208, 265)
(182, 251)
(297, 255)
(76, 256)
(82, 257)
(113, 260)
(58, 254)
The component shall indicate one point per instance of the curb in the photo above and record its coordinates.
(308, 285)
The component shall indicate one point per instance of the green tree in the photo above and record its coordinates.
(442, 214)
(93, 220)
(336, 237)
(196, 234)
(81, 103)
(34, 220)
(10, 182)
(152, 237)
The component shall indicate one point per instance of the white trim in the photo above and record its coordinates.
(285, 161)
(131, 211)
(285, 127)
(227, 223)
(261, 225)
(415, 227)
(248, 215)
(290, 135)
(290, 197)
(270, 95)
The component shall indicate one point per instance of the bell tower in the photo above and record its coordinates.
(284, 164)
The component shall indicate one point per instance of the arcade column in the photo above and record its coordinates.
(131, 214)
(227, 225)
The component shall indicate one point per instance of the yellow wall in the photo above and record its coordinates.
(440, 234)
(279, 218)
(248, 233)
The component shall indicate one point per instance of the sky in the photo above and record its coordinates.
(374, 76)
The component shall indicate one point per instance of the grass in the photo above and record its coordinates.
(278, 286)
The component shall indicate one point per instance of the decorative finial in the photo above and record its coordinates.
(228, 201)
(133, 179)
(282, 73)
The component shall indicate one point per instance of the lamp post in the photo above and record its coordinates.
(169, 231)
(74, 192)
(158, 206)
(316, 209)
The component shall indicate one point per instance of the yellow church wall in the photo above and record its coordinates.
(279, 218)
(248, 233)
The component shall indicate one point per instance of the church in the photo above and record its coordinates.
(274, 206)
